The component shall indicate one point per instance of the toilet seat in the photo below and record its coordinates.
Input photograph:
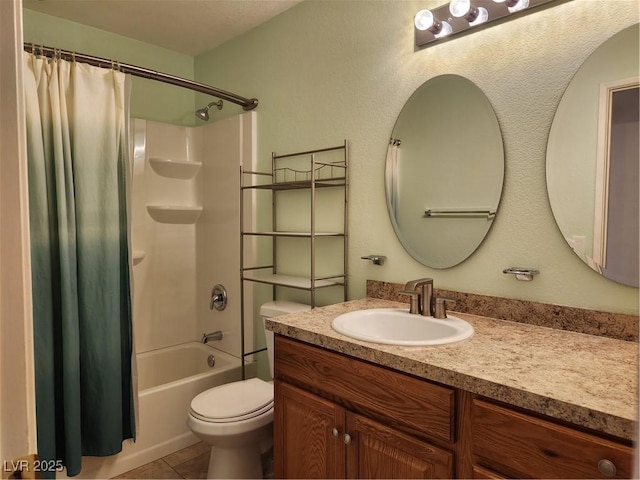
(233, 402)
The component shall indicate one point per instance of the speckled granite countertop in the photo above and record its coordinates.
(583, 379)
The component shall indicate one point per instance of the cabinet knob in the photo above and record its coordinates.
(335, 432)
(346, 439)
(607, 467)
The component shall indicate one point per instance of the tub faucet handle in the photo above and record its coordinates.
(218, 298)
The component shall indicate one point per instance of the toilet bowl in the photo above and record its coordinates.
(236, 419)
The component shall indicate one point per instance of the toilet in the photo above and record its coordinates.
(236, 419)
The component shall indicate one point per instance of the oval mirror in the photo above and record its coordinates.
(592, 160)
(444, 171)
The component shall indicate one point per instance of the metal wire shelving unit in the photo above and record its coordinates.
(311, 173)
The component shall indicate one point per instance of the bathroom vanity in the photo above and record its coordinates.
(513, 401)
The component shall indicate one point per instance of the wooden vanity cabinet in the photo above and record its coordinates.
(338, 417)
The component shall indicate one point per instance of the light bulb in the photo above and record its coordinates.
(520, 5)
(445, 30)
(460, 8)
(514, 5)
(483, 16)
(472, 14)
(424, 20)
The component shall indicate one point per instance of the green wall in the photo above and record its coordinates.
(150, 100)
(328, 70)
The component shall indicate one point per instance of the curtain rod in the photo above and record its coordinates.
(50, 52)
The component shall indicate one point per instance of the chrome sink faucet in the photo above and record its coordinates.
(421, 296)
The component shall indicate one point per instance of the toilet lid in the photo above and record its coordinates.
(233, 402)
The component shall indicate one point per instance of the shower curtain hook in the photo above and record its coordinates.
(73, 57)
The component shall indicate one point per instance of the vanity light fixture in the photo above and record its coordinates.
(462, 16)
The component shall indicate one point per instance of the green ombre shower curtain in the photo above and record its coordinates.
(77, 118)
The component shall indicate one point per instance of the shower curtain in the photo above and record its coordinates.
(77, 119)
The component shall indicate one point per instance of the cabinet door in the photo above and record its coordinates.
(308, 434)
(377, 451)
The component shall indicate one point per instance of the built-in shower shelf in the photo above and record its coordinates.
(180, 214)
(138, 256)
(181, 169)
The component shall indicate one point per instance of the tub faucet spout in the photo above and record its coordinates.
(217, 335)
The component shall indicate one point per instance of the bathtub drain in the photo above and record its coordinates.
(211, 360)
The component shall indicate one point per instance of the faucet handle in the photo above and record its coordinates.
(218, 298)
(414, 300)
(441, 307)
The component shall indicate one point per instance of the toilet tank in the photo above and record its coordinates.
(274, 309)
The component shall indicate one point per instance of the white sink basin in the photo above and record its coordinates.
(393, 326)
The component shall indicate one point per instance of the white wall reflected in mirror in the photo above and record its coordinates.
(617, 204)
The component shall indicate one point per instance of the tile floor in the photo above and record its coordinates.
(190, 462)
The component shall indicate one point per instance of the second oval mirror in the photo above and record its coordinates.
(592, 159)
(444, 171)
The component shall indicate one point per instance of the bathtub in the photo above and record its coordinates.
(168, 378)
(185, 364)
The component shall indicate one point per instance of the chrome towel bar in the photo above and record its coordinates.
(434, 212)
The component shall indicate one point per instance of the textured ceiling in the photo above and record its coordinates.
(191, 27)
